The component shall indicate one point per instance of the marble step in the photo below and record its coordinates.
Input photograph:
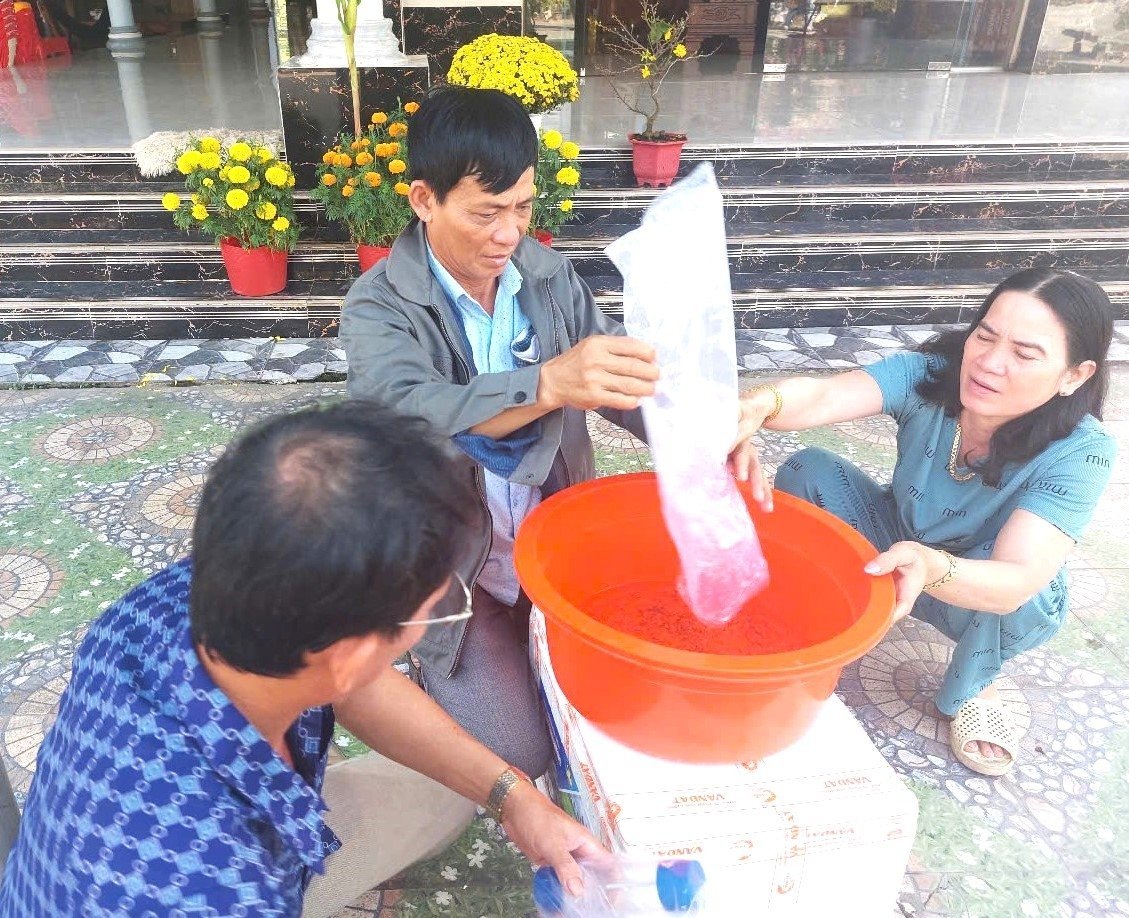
(208, 309)
(847, 201)
(864, 247)
(116, 169)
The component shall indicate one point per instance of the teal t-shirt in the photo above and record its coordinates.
(1061, 485)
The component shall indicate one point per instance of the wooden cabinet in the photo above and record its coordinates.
(731, 18)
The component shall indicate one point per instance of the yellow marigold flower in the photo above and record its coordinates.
(568, 176)
(188, 162)
(364, 158)
(379, 118)
(290, 182)
(328, 157)
(397, 129)
(411, 108)
(348, 191)
(240, 151)
(569, 150)
(209, 145)
(237, 199)
(344, 160)
(668, 35)
(552, 139)
(238, 175)
(566, 206)
(280, 225)
(277, 176)
(170, 201)
(200, 212)
(208, 182)
(264, 155)
(266, 211)
(329, 180)
(402, 188)
(396, 166)
(393, 148)
(365, 142)
(372, 179)
(645, 71)
(679, 51)
(209, 160)
(356, 145)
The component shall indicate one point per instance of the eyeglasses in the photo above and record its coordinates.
(468, 609)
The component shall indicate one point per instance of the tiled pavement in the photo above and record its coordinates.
(97, 490)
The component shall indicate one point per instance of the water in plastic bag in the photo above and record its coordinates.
(626, 889)
(677, 298)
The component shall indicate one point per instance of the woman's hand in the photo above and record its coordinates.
(911, 563)
(744, 460)
(547, 835)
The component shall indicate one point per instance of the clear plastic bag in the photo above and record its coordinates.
(677, 298)
(626, 888)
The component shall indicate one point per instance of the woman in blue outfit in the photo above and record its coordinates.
(1001, 462)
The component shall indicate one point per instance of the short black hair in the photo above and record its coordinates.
(481, 133)
(323, 524)
(1086, 314)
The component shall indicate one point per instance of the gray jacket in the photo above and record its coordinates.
(405, 347)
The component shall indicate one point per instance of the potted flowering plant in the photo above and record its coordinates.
(556, 177)
(363, 182)
(243, 196)
(655, 154)
(531, 71)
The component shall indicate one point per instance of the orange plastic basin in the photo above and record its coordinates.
(694, 706)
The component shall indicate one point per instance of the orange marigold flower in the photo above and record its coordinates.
(393, 148)
(329, 180)
(411, 108)
(397, 129)
(347, 191)
(379, 118)
(396, 166)
(364, 158)
(345, 160)
(328, 157)
(402, 188)
(353, 182)
(372, 179)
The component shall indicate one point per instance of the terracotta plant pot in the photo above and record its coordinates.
(655, 161)
(369, 255)
(544, 237)
(260, 271)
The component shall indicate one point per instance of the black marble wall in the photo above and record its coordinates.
(317, 106)
(439, 31)
(392, 12)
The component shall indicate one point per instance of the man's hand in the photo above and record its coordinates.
(910, 563)
(604, 371)
(547, 835)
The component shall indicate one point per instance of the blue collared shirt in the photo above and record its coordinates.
(492, 341)
(153, 795)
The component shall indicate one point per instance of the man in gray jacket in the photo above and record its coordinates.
(491, 337)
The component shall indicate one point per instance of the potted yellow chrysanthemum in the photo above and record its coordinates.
(243, 197)
(556, 177)
(655, 154)
(534, 73)
(364, 182)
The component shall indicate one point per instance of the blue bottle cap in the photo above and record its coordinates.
(548, 894)
(678, 883)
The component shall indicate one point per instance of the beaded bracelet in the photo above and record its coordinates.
(778, 407)
(949, 574)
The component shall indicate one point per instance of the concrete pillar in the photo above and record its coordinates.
(208, 17)
(124, 34)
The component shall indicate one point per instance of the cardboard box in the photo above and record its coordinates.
(824, 827)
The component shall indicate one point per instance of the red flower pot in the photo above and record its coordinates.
(369, 255)
(655, 161)
(260, 271)
(544, 237)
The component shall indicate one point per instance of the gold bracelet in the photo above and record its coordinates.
(949, 574)
(778, 407)
(507, 781)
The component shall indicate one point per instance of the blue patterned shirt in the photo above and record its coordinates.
(153, 795)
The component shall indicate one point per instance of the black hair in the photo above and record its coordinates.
(481, 133)
(1086, 315)
(320, 525)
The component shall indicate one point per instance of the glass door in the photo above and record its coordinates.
(987, 33)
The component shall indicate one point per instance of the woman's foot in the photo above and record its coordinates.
(983, 735)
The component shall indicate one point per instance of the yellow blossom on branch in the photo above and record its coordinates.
(679, 51)
(237, 199)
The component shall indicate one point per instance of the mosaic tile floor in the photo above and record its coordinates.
(98, 488)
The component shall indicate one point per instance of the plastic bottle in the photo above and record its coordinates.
(628, 888)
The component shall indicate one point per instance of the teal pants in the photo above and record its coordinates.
(983, 640)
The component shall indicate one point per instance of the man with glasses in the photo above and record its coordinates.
(494, 339)
(186, 772)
